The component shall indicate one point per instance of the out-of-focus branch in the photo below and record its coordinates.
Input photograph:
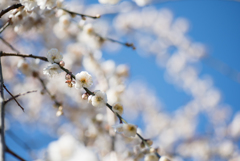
(14, 6)
(9, 45)
(222, 68)
(24, 56)
(13, 97)
(52, 96)
(18, 95)
(116, 41)
(14, 154)
(80, 14)
(2, 112)
(4, 26)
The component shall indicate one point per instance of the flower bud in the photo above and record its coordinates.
(62, 63)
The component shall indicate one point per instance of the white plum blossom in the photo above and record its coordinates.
(52, 70)
(151, 157)
(99, 99)
(118, 108)
(129, 130)
(83, 79)
(163, 158)
(49, 4)
(54, 56)
(29, 4)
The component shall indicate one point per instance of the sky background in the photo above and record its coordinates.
(214, 23)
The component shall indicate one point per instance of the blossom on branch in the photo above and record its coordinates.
(118, 108)
(49, 4)
(129, 130)
(99, 99)
(151, 157)
(52, 70)
(54, 56)
(83, 79)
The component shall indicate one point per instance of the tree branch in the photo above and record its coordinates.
(5, 26)
(9, 45)
(14, 6)
(18, 95)
(2, 112)
(14, 154)
(13, 97)
(79, 14)
(24, 56)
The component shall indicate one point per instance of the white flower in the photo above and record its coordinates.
(83, 79)
(99, 99)
(49, 4)
(129, 130)
(29, 4)
(118, 108)
(151, 157)
(25, 67)
(54, 56)
(52, 70)
(163, 158)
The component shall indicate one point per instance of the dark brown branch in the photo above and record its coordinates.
(24, 56)
(4, 11)
(80, 14)
(9, 45)
(13, 97)
(18, 95)
(14, 154)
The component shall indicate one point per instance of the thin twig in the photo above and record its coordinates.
(14, 6)
(5, 26)
(80, 14)
(14, 154)
(18, 95)
(116, 41)
(24, 56)
(2, 112)
(9, 45)
(13, 97)
(52, 96)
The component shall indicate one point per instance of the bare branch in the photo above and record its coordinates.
(79, 14)
(5, 26)
(14, 6)
(13, 97)
(2, 112)
(9, 45)
(18, 95)
(14, 154)
(24, 56)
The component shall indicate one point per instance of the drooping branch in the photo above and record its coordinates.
(14, 6)
(121, 119)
